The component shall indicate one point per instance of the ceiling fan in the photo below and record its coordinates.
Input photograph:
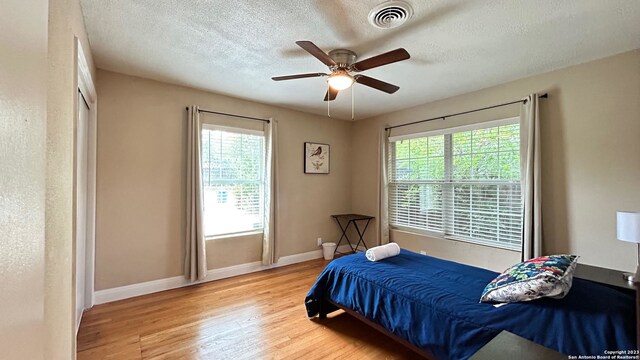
(342, 63)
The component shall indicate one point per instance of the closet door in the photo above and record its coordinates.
(81, 204)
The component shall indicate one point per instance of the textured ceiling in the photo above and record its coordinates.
(235, 47)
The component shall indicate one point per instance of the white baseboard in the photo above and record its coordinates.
(149, 287)
(78, 321)
(346, 249)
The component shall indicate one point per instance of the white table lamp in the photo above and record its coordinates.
(629, 230)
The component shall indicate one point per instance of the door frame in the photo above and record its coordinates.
(86, 85)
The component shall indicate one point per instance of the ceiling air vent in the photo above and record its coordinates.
(390, 14)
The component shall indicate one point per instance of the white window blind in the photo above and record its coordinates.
(462, 184)
(233, 180)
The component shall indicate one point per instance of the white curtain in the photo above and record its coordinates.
(530, 177)
(383, 188)
(270, 251)
(195, 263)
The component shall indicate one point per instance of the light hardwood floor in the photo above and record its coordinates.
(254, 316)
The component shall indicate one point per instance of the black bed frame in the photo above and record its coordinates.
(427, 355)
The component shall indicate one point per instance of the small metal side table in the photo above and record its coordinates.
(344, 220)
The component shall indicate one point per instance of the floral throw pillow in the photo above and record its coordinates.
(546, 276)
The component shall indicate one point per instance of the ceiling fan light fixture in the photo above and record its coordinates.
(340, 80)
(341, 63)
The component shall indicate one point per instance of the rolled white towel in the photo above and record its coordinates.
(382, 252)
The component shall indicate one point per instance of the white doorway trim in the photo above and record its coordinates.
(86, 86)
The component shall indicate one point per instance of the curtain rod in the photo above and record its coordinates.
(233, 115)
(543, 96)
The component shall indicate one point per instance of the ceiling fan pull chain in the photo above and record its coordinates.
(353, 101)
(328, 100)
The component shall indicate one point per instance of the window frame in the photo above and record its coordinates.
(237, 130)
(448, 157)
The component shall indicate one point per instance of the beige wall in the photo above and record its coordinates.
(37, 103)
(482, 256)
(141, 183)
(23, 74)
(590, 158)
(65, 23)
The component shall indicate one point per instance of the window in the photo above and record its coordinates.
(462, 184)
(233, 180)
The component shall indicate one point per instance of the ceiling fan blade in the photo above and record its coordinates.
(312, 49)
(382, 59)
(331, 94)
(298, 76)
(376, 84)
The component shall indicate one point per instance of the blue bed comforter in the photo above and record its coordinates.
(434, 304)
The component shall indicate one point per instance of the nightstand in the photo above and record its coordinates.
(509, 346)
(605, 276)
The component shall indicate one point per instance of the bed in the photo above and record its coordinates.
(432, 305)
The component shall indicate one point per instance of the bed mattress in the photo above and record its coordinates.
(434, 304)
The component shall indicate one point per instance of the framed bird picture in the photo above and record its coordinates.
(316, 158)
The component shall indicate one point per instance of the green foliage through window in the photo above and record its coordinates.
(465, 185)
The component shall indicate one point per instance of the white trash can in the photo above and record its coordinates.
(328, 249)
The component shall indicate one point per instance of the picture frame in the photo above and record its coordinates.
(316, 158)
